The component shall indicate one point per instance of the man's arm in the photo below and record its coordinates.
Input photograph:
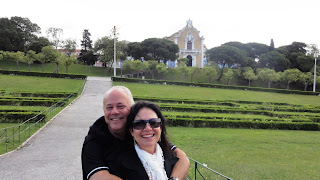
(104, 175)
(181, 168)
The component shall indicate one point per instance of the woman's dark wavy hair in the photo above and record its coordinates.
(164, 143)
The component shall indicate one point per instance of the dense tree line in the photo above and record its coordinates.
(150, 49)
(267, 75)
(20, 34)
(20, 42)
(47, 54)
(254, 55)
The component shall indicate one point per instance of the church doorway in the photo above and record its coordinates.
(190, 60)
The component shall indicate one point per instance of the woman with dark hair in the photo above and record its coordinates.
(150, 156)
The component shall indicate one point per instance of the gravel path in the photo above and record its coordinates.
(55, 151)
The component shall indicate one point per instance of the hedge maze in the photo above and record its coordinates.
(16, 107)
(238, 114)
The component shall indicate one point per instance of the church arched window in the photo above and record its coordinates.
(189, 45)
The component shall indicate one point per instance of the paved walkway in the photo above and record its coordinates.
(55, 152)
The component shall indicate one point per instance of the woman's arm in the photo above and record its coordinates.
(181, 168)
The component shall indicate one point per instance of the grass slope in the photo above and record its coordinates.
(38, 84)
(157, 90)
(252, 154)
(51, 67)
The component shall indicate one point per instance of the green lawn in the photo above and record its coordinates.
(51, 67)
(252, 154)
(10, 84)
(242, 153)
(158, 90)
(38, 84)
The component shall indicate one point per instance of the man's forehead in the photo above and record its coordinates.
(115, 103)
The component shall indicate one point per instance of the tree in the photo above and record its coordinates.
(1, 55)
(135, 50)
(185, 71)
(159, 49)
(229, 75)
(290, 75)
(15, 56)
(274, 60)
(51, 55)
(296, 47)
(105, 47)
(292, 52)
(55, 36)
(86, 42)
(30, 57)
(26, 29)
(70, 46)
(271, 47)
(171, 72)
(38, 43)
(226, 55)
(306, 78)
(312, 49)
(68, 60)
(122, 50)
(183, 61)
(249, 74)
(137, 66)
(244, 47)
(60, 60)
(126, 66)
(305, 63)
(161, 68)
(269, 75)
(17, 33)
(252, 50)
(209, 72)
(193, 71)
(257, 49)
(9, 36)
(88, 57)
(152, 65)
(41, 58)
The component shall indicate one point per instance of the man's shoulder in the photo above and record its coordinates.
(99, 132)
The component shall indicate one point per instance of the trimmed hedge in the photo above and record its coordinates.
(18, 117)
(43, 94)
(15, 102)
(186, 117)
(150, 81)
(245, 124)
(52, 75)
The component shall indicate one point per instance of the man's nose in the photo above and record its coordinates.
(115, 110)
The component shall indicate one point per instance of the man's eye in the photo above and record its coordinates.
(108, 108)
(121, 107)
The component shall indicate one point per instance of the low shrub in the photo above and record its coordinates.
(52, 75)
(19, 117)
(245, 124)
(150, 81)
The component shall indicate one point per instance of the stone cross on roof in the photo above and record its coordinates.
(189, 24)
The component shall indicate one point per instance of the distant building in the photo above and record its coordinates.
(76, 52)
(191, 45)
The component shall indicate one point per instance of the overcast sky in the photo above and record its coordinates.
(219, 21)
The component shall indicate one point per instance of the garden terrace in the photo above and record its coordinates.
(247, 114)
